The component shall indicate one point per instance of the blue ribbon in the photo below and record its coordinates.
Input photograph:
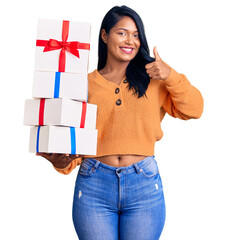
(57, 84)
(37, 140)
(72, 135)
(73, 140)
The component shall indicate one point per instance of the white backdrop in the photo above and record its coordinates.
(36, 201)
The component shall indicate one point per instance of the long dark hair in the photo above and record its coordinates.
(136, 74)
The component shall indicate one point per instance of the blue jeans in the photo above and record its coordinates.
(125, 203)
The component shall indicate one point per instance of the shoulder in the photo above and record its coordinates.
(92, 75)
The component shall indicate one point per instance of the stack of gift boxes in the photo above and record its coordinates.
(62, 121)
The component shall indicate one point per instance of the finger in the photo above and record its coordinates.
(157, 77)
(150, 65)
(45, 155)
(154, 69)
(156, 55)
(153, 75)
(154, 72)
(73, 156)
(151, 69)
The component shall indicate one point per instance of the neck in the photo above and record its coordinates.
(114, 67)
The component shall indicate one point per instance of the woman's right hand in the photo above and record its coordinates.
(59, 160)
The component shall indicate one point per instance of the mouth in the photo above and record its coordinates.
(127, 50)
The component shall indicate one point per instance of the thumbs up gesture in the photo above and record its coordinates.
(158, 70)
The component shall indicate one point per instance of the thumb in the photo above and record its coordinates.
(156, 55)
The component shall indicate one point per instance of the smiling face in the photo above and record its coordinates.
(123, 41)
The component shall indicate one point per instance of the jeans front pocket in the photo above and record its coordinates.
(86, 168)
(151, 169)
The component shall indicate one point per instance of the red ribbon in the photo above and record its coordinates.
(41, 111)
(83, 115)
(72, 47)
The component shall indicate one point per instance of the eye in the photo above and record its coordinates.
(121, 33)
(136, 35)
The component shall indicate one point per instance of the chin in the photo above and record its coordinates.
(127, 59)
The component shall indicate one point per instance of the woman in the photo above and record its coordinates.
(118, 192)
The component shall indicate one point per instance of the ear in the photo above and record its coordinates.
(104, 35)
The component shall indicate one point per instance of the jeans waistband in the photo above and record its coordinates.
(131, 168)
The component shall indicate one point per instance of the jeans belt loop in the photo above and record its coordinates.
(137, 168)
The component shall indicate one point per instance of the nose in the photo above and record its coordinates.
(129, 39)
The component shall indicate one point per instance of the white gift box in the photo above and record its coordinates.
(58, 139)
(57, 111)
(60, 85)
(53, 29)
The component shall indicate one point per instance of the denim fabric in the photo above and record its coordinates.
(125, 203)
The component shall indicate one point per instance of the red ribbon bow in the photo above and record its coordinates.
(72, 47)
(69, 46)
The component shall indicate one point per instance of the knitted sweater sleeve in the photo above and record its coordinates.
(67, 170)
(182, 99)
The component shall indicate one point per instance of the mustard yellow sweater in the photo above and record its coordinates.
(130, 125)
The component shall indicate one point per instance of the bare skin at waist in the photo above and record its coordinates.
(63, 160)
(120, 160)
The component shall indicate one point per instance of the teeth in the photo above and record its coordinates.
(127, 49)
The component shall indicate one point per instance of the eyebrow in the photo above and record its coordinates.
(124, 29)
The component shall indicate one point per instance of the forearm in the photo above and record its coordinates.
(183, 100)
